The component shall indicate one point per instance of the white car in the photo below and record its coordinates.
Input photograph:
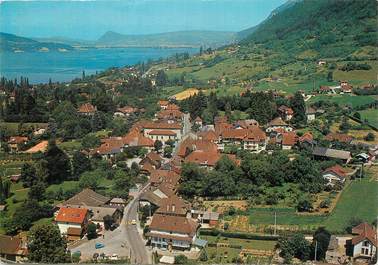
(133, 222)
(114, 257)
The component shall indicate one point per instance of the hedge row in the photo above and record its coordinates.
(215, 232)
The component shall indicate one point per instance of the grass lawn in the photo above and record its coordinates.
(353, 101)
(357, 200)
(371, 115)
(66, 185)
(70, 146)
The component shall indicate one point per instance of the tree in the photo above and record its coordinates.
(108, 222)
(158, 145)
(80, 163)
(91, 231)
(370, 137)
(299, 107)
(330, 76)
(122, 184)
(294, 247)
(357, 115)
(28, 175)
(304, 205)
(37, 191)
(168, 151)
(90, 141)
(181, 259)
(46, 245)
(89, 179)
(58, 164)
(161, 78)
(321, 240)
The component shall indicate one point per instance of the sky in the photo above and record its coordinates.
(89, 19)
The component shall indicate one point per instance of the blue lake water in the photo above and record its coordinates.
(65, 66)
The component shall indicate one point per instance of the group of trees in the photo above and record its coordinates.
(298, 247)
(208, 107)
(255, 171)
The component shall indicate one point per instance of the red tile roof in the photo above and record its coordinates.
(164, 176)
(169, 114)
(162, 125)
(127, 109)
(289, 138)
(135, 138)
(286, 110)
(17, 140)
(307, 136)
(338, 170)
(364, 231)
(175, 224)
(189, 145)
(208, 135)
(162, 132)
(173, 205)
(87, 108)
(72, 215)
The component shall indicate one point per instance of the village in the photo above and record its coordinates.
(155, 223)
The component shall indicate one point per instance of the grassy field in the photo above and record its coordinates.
(371, 115)
(244, 243)
(358, 76)
(345, 100)
(357, 200)
(12, 127)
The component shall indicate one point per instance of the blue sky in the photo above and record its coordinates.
(90, 19)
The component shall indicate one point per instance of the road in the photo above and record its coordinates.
(138, 251)
(124, 241)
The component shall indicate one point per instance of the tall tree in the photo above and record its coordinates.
(46, 245)
(80, 163)
(58, 163)
(161, 78)
(28, 175)
(320, 241)
(299, 107)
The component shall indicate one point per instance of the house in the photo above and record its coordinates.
(68, 218)
(163, 104)
(13, 248)
(334, 174)
(210, 218)
(173, 205)
(173, 129)
(97, 215)
(208, 159)
(208, 135)
(125, 111)
(162, 135)
(189, 145)
(172, 232)
(87, 109)
(322, 62)
(109, 147)
(253, 138)
(364, 243)
(328, 153)
(288, 140)
(170, 114)
(118, 202)
(198, 121)
(306, 140)
(339, 137)
(279, 124)
(136, 139)
(85, 198)
(40, 147)
(286, 112)
(164, 176)
(17, 141)
(153, 159)
(310, 114)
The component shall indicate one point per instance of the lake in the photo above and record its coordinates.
(65, 66)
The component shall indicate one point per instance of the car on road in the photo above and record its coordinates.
(133, 222)
(114, 257)
(99, 245)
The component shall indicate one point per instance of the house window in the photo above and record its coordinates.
(366, 244)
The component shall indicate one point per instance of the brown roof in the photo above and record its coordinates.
(164, 176)
(162, 132)
(338, 170)
(163, 102)
(110, 146)
(286, 110)
(40, 147)
(87, 197)
(87, 108)
(127, 109)
(277, 122)
(154, 156)
(169, 114)
(209, 135)
(289, 138)
(189, 145)
(17, 140)
(71, 215)
(203, 158)
(135, 138)
(306, 137)
(171, 223)
(11, 245)
(162, 125)
(340, 137)
(173, 205)
(364, 231)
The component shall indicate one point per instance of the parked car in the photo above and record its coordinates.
(114, 257)
(133, 222)
(99, 245)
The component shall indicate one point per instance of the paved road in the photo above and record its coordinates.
(139, 252)
(124, 240)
